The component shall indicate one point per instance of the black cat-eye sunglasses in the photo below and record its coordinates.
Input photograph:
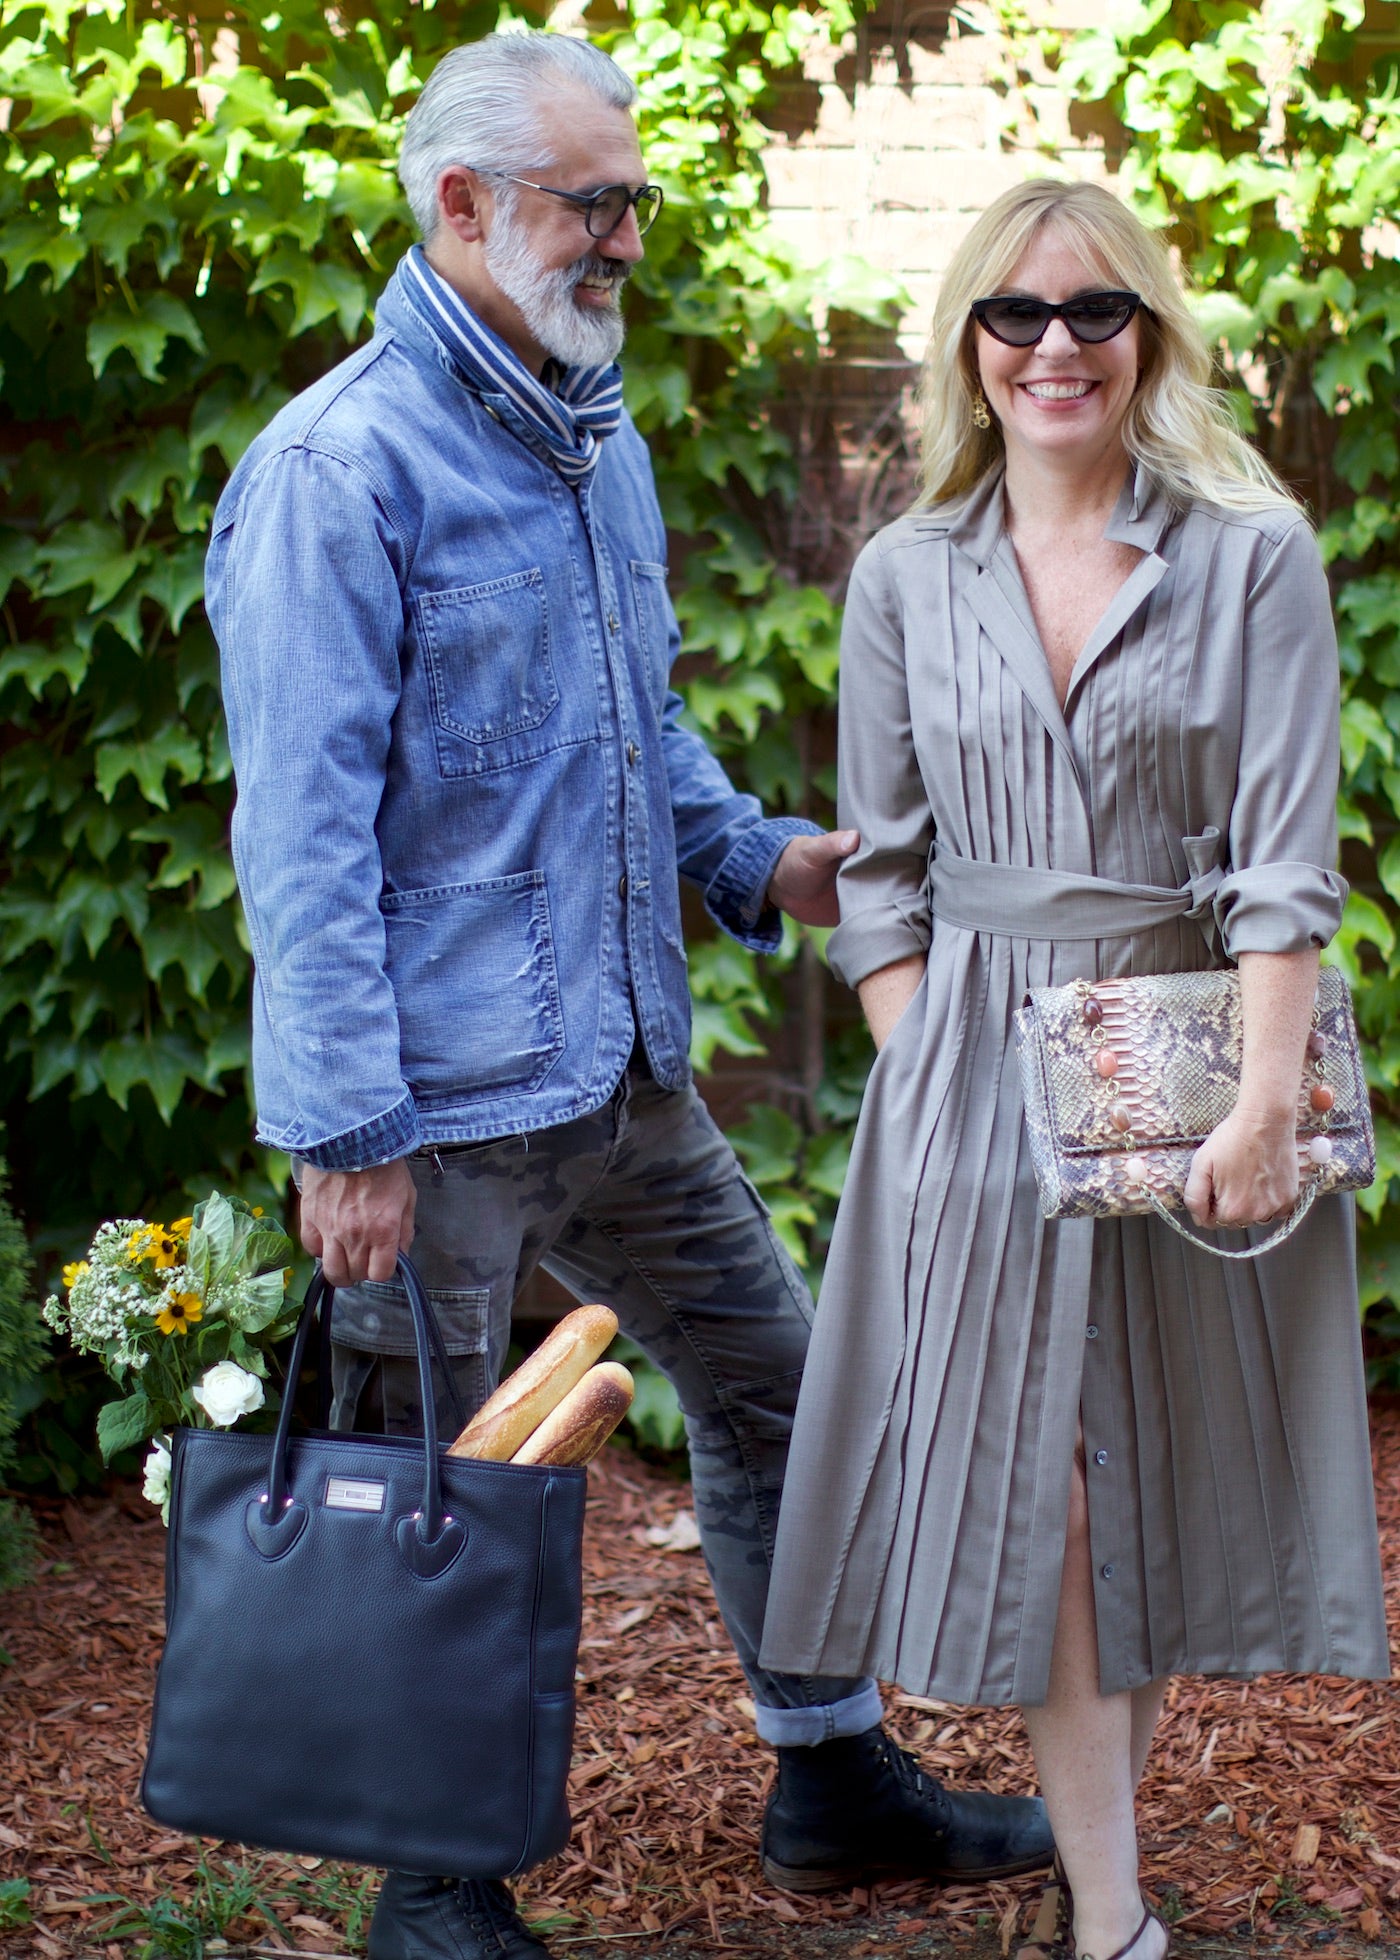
(1020, 321)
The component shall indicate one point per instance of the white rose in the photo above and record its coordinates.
(228, 1392)
(156, 1488)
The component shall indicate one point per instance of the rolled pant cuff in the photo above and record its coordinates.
(798, 1728)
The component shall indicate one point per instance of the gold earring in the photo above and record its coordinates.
(981, 414)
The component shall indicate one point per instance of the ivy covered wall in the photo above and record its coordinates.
(196, 215)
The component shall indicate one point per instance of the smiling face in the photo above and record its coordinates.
(558, 285)
(1059, 399)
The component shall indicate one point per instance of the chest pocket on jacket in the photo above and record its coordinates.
(489, 667)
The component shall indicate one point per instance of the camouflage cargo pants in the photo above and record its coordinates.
(641, 1205)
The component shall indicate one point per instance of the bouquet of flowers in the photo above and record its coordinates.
(182, 1317)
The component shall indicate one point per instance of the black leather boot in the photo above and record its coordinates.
(858, 1808)
(449, 1919)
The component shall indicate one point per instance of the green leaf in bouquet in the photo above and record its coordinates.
(258, 1302)
(244, 1353)
(266, 1249)
(211, 1237)
(122, 1425)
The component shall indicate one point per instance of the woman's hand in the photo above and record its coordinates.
(1245, 1173)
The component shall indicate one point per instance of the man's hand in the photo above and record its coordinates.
(358, 1222)
(804, 878)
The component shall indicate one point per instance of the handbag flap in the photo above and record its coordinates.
(1160, 1065)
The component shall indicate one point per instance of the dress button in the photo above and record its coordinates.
(612, 622)
(633, 752)
(622, 886)
(1101, 1456)
(1108, 1572)
(1091, 1333)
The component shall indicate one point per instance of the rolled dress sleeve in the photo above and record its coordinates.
(306, 604)
(883, 886)
(1282, 893)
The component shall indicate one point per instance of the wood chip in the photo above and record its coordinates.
(1306, 1843)
(1247, 1783)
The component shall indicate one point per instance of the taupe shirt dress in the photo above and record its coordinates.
(959, 1335)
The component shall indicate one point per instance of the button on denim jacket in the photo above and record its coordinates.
(464, 791)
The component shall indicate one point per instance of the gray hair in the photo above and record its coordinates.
(482, 105)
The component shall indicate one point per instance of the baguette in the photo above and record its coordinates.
(525, 1398)
(577, 1429)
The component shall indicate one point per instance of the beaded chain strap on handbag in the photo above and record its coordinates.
(1124, 1080)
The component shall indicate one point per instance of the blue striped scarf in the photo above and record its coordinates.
(564, 424)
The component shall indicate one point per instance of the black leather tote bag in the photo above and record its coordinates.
(370, 1646)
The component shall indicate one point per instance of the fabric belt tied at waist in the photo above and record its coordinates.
(1028, 903)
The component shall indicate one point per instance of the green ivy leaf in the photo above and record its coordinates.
(144, 334)
(149, 762)
(88, 553)
(123, 1425)
(163, 1064)
(1363, 729)
(769, 1143)
(27, 242)
(36, 666)
(322, 290)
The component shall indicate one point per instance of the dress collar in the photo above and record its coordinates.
(1140, 516)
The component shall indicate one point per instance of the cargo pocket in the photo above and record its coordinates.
(377, 1356)
(375, 1318)
(476, 985)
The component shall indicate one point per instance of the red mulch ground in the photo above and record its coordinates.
(1271, 1814)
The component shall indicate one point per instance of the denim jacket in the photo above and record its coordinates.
(464, 790)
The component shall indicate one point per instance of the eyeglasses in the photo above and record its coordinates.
(1019, 321)
(604, 210)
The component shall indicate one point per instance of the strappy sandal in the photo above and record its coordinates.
(1050, 1934)
(1148, 1916)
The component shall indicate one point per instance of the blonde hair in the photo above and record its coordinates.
(1178, 425)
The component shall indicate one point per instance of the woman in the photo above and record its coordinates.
(1052, 1464)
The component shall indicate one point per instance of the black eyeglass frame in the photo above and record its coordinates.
(650, 195)
(1132, 304)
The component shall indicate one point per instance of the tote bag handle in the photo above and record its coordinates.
(326, 1298)
(433, 1532)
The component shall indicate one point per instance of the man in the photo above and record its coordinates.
(438, 583)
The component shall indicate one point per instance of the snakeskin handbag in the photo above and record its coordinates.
(1123, 1080)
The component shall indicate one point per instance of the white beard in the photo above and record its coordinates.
(572, 336)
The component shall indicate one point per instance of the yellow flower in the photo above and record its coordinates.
(180, 1312)
(73, 1272)
(257, 1211)
(153, 1245)
(181, 1229)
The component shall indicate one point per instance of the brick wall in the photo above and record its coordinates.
(892, 149)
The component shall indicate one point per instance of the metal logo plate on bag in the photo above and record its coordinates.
(353, 1494)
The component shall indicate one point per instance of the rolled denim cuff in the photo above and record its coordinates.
(391, 1134)
(738, 893)
(803, 1728)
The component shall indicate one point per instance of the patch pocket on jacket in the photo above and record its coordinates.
(654, 617)
(476, 984)
(488, 657)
